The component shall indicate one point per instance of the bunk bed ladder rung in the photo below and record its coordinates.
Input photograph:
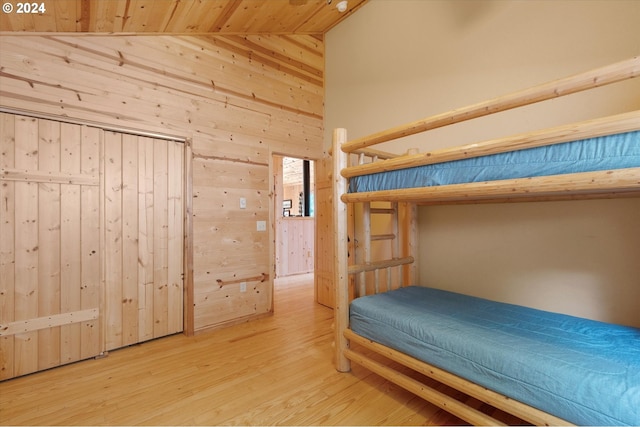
(368, 237)
(375, 237)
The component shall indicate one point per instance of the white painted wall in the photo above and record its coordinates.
(400, 60)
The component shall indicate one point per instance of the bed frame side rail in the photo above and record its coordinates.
(613, 73)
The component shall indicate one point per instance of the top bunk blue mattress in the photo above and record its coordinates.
(583, 371)
(617, 151)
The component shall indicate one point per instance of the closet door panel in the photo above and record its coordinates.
(43, 231)
(91, 241)
(91, 333)
(7, 244)
(26, 246)
(49, 242)
(144, 238)
(70, 252)
(130, 303)
(114, 303)
(160, 240)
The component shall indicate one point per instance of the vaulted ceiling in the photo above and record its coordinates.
(314, 17)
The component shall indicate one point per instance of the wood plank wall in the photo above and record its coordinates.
(237, 98)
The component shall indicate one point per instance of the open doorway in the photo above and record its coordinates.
(294, 216)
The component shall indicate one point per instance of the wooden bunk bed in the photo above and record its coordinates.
(356, 280)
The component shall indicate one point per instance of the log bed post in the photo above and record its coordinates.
(341, 264)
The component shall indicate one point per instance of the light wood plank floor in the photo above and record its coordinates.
(277, 370)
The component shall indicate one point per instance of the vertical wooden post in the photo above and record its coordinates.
(409, 245)
(365, 256)
(341, 274)
(395, 243)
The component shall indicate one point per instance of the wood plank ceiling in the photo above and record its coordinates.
(313, 17)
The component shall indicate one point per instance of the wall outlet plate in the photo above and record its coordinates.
(261, 225)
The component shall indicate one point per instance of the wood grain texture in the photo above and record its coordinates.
(144, 213)
(323, 263)
(276, 370)
(46, 224)
(179, 17)
(237, 98)
(294, 246)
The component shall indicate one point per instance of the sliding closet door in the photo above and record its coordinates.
(91, 241)
(143, 186)
(49, 244)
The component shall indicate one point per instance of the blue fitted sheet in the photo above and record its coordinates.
(583, 371)
(595, 154)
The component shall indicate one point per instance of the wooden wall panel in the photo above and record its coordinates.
(228, 249)
(237, 98)
(46, 224)
(295, 246)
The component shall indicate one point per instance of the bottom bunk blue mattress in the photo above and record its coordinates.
(583, 371)
(618, 151)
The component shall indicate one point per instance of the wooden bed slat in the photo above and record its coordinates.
(613, 73)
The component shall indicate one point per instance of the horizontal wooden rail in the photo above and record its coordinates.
(375, 237)
(263, 277)
(441, 400)
(619, 71)
(45, 322)
(620, 123)
(611, 182)
(386, 211)
(379, 265)
(370, 152)
(525, 412)
(9, 174)
(376, 153)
